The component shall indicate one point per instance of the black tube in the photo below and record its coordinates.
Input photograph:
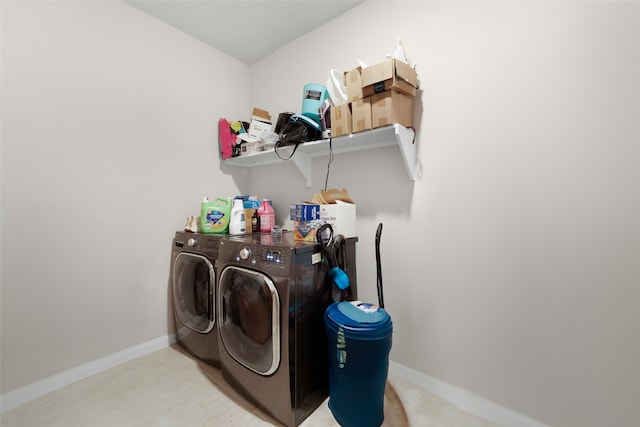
(379, 267)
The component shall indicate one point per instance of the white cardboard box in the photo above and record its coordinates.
(260, 123)
(341, 216)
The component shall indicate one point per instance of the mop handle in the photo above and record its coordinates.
(379, 267)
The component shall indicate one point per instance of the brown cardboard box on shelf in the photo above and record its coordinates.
(391, 74)
(353, 80)
(361, 114)
(391, 107)
(341, 120)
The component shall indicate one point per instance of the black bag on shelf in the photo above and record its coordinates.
(299, 129)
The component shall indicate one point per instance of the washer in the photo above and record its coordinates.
(193, 290)
(272, 295)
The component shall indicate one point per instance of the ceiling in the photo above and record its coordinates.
(245, 30)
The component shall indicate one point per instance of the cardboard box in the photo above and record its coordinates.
(389, 75)
(353, 81)
(306, 230)
(341, 216)
(341, 120)
(361, 114)
(260, 123)
(304, 211)
(250, 147)
(391, 107)
(250, 206)
(248, 214)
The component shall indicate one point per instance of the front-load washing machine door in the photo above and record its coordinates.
(194, 284)
(249, 323)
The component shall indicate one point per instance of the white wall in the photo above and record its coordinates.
(109, 141)
(511, 269)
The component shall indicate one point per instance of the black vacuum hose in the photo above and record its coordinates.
(379, 266)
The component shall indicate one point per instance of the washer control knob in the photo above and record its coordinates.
(191, 242)
(245, 253)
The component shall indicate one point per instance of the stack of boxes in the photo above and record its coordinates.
(378, 95)
(308, 217)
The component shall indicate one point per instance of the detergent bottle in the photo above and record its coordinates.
(267, 216)
(214, 216)
(237, 225)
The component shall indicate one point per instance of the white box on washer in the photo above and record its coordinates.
(341, 216)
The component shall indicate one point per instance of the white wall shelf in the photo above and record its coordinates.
(386, 136)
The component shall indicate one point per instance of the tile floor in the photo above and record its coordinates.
(170, 388)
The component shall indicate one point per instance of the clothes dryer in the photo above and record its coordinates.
(193, 292)
(272, 295)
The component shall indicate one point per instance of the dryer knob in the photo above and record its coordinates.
(245, 253)
(191, 242)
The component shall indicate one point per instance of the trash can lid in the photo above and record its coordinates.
(360, 318)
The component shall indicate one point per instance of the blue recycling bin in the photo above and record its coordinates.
(359, 342)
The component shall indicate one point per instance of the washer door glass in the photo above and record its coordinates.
(193, 291)
(249, 323)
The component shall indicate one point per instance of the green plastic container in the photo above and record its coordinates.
(214, 216)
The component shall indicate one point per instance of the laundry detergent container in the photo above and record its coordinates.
(359, 342)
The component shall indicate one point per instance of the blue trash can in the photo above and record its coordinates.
(359, 342)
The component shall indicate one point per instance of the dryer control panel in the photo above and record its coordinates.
(268, 259)
(274, 255)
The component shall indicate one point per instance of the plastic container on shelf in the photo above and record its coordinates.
(312, 99)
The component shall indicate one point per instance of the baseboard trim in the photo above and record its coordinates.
(465, 400)
(29, 392)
